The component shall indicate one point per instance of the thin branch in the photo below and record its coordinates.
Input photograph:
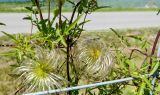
(18, 90)
(134, 50)
(31, 29)
(65, 18)
(154, 48)
(31, 26)
(84, 20)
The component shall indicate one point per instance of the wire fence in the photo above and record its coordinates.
(96, 85)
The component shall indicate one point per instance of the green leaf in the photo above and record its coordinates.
(64, 25)
(155, 68)
(158, 12)
(100, 7)
(122, 38)
(15, 65)
(55, 12)
(29, 8)
(27, 18)
(7, 53)
(69, 1)
(72, 25)
(84, 3)
(116, 33)
(131, 65)
(136, 37)
(14, 75)
(61, 38)
(80, 9)
(158, 88)
(144, 78)
(144, 68)
(2, 24)
(19, 54)
(141, 89)
(43, 21)
(43, 24)
(82, 23)
(10, 36)
(135, 74)
(90, 93)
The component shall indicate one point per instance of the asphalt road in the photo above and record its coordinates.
(99, 21)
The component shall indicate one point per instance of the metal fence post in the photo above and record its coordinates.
(156, 74)
(153, 83)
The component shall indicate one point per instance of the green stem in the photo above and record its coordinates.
(39, 9)
(74, 11)
(68, 62)
(69, 41)
(49, 12)
(60, 14)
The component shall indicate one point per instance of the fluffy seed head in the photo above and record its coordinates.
(94, 59)
(40, 73)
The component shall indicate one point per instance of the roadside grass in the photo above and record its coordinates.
(127, 10)
(14, 6)
(19, 7)
(23, 10)
(147, 33)
(8, 84)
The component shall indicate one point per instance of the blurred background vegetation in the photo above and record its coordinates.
(113, 3)
(116, 5)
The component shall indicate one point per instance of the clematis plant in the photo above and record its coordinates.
(46, 60)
